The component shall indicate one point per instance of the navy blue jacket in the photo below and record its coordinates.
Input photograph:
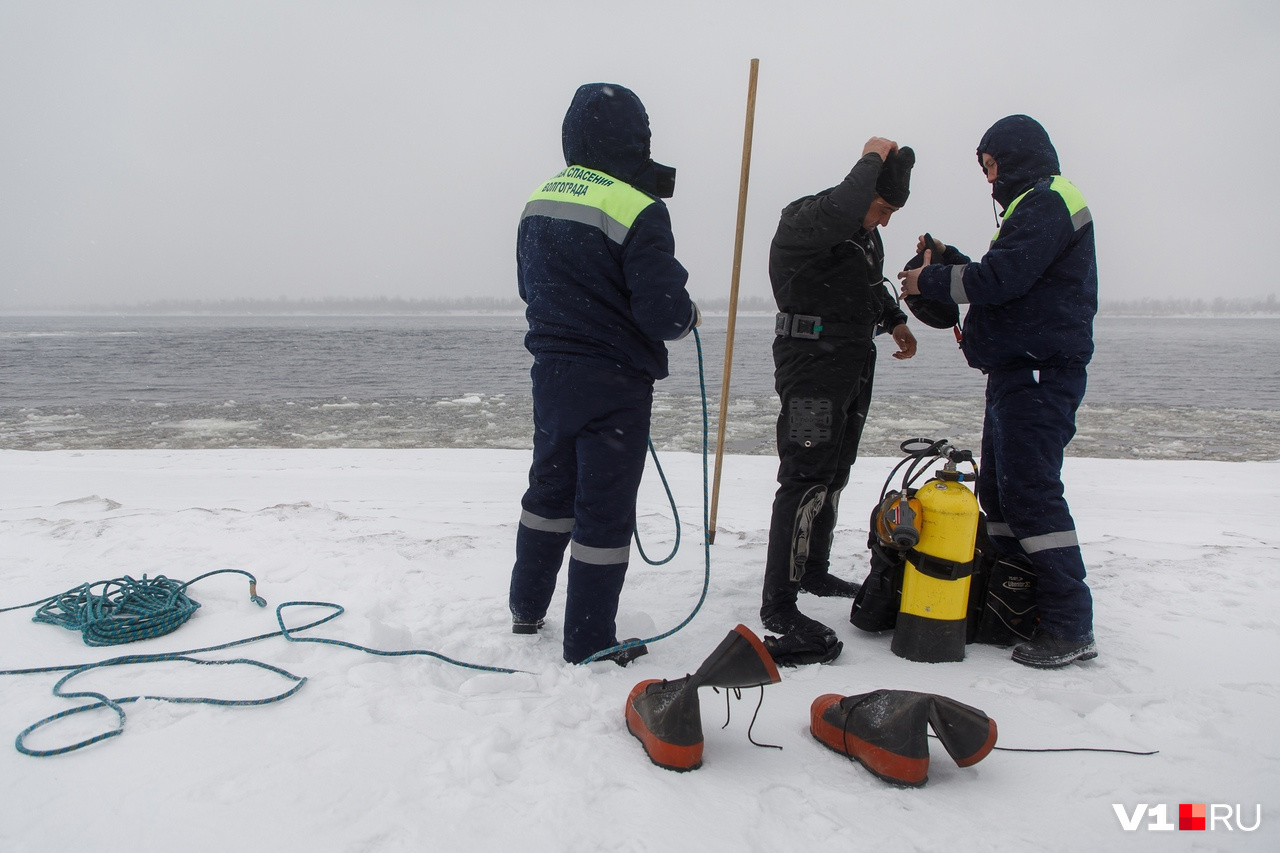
(595, 256)
(1033, 296)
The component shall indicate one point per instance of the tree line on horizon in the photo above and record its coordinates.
(483, 304)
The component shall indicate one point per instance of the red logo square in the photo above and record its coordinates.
(1191, 816)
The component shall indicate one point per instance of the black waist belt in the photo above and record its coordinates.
(811, 327)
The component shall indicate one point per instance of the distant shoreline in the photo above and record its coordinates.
(1267, 307)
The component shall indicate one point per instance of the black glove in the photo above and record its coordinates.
(939, 315)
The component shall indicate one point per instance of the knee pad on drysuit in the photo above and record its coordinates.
(802, 531)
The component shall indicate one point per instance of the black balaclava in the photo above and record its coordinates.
(1023, 154)
(607, 129)
(894, 183)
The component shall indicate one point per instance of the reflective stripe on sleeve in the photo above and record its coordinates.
(996, 528)
(958, 295)
(1046, 541)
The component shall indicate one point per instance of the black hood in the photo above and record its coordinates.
(607, 129)
(1023, 155)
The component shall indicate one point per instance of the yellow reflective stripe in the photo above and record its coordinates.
(1008, 211)
(591, 197)
(1072, 196)
(1077, 209)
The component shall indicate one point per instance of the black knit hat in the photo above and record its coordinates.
(894, 183)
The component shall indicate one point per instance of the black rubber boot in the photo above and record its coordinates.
(665, 715)
(885, 731)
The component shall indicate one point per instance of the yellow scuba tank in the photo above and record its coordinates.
(931, 624)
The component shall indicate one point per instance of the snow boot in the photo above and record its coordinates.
(624, 656)
(885, 731)
(526, 626)
(665, 715)
(1048, 652)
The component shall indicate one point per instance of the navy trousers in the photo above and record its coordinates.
(591, 432)
(1030, 419)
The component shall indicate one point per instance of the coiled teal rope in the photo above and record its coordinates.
(127, 610)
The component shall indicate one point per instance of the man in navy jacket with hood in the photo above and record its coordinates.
(596, 266)
(1029, 328)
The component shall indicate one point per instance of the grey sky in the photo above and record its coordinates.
(265, 148)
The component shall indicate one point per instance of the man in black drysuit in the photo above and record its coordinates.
(1032, 298)
(826, 264)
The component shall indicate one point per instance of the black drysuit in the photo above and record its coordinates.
(824, 264)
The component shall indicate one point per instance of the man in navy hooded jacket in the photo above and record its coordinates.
(596, 265)
(1029, 328)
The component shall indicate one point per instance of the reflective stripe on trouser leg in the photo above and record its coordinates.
(1029, 421)
(539, 556)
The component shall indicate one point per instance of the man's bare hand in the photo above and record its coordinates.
(879, 145)
(905, 340)
(911, 278)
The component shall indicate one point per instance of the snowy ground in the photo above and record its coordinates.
(410, 753)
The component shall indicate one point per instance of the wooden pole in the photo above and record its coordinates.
(733, 291)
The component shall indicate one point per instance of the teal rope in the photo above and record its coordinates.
(675, 514)
(706, 522)
(100, 700)
(127, 610)
(338, 610)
